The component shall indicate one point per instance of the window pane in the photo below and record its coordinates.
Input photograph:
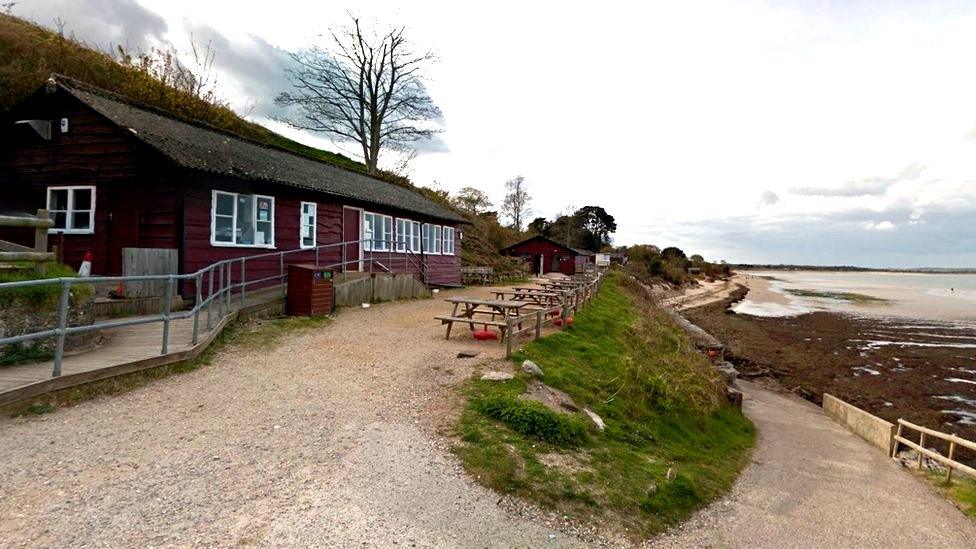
(263, 235)
(82, 199)
(59, 219)
(245, 220)
(81, 220)
(58, 199)
(264, 208)
(223, 229)
(225, 204)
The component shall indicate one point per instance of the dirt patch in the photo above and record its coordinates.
(890, 366)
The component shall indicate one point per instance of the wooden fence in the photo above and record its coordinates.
(919, 447)
(38, 255)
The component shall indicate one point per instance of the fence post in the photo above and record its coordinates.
(344, 259)
(281, 273)
(565, 314)
(921, 456)
(166, 311)
(243, 279)
(538, 324)
(509, 332)
(894, 447)
(40, 242)
(210, 299)
(197, 306)
(62, 326)
(952, 450)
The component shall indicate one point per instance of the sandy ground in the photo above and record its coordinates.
(812, 483)
(328, 439)
(703, 294)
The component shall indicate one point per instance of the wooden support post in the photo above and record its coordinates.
(509, 332)
(921, 456)
(894, 445)
(538, 324)
(952, 450)
(40, 242)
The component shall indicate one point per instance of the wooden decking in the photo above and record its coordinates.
(127, 349)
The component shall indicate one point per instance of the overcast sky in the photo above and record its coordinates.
(796, 132)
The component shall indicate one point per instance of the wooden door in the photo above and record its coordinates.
(352, 229)
(123, 227)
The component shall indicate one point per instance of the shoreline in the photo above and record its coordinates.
(891, 367)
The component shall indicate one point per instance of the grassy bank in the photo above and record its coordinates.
(671, 442)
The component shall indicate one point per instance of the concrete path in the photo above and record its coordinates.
(814, 484)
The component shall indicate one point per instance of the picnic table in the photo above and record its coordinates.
(529, 289)
(545, 300)
(474, 306)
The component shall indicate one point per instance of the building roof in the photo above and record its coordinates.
(207, 149)
(575, 251)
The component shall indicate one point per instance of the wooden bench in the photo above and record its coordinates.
(477, 275)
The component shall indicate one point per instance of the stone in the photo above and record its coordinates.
(551, 398)
(532, 368)
(468, 354)
(597, 420)
(497, 376)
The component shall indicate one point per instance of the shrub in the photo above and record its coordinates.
(678, 494)
(45, 295)
(533, 419)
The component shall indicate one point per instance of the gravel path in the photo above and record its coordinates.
(326, 439)
(813, 484)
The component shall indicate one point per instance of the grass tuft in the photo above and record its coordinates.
(532, 419)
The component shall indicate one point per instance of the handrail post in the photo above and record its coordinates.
(243, 279)
(230, 287)
(210, 300)
(198, 282)
(281, 272)
(166, 310)
(344, 257)
(62, 326)
(317, 256)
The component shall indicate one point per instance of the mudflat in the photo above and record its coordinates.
(894, 367)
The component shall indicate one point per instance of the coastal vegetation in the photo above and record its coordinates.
(671, 442)
(840, 296)
(651, 265)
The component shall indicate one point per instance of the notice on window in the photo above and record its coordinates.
(264, 209)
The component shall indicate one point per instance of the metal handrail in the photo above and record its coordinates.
(219, 277)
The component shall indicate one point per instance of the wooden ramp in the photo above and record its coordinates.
(127, 349)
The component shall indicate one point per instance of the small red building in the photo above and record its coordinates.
(545, 255)
(116, 174)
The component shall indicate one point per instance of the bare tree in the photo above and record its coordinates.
(366, 88)
(472, 200)
(516, 203)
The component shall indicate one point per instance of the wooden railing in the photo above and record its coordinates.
(38, 255)
(919, 447)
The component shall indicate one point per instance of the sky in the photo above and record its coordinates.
(807, 132)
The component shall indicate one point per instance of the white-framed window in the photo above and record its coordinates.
(72, 209)
(242, 220)
(377, 232)
(407, 236)
(307, 224)
(432, 239)
(415, 240)
(448, 248)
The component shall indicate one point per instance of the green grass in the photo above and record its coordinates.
(840, 296)
(44, 296)
(961, 491)
(663, 408)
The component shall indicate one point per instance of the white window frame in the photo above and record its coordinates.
(213, 220)
(429, 238)
(415, 244)
(302, 225)
(404, 235)
(383, 241)
(70, 211)
(446, 240)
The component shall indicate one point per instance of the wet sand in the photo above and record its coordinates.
(923, 370)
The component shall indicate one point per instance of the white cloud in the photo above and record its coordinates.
(880, 226)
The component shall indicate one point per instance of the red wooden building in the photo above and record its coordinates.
(546, 255)
(117, 174)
